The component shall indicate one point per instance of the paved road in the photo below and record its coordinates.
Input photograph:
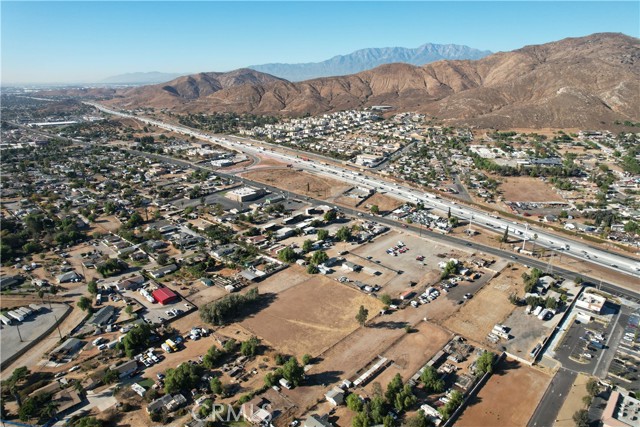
(542, 237)
(547, 411)
(532, 262)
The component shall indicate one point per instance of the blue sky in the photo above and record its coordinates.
(88, 41)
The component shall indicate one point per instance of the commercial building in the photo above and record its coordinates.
(244, 194)
(164, 296)
(621, 411)
(591, 302)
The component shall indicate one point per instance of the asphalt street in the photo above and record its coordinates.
(547, 411)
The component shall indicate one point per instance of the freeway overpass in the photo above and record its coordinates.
(543, 238)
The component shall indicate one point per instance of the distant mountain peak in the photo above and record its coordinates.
(582, 82)
(364, 59)
(148, 77)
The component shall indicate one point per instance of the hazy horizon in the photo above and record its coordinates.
(86, 42)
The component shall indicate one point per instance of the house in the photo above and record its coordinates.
(67, 349)
(163, 271)
(103, 316)
(126, 368)
(176, 402)
(165, 296)
(335, 396)
(224, 250)
(350, 266)
(10, 281)
(315, 420)
(66, 400)
(50, 388)
(130, 284)
(256, 411)
(284, 232)
(158, 404)
(69, 276)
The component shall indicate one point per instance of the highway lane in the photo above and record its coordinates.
(542, 238)
(615, 289)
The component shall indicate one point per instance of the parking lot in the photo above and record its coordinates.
(580, 348)
(623, 369)
(156, 312)
(17, 336)
(400, 271)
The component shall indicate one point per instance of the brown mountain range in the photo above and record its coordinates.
(576, 82)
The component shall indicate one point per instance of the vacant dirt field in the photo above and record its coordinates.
(524, 189)
(299, 182)
(411, 352)
(311, 316)
(489, 306)
(508, 398)
(385, 203)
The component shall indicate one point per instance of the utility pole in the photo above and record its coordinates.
(19, 334)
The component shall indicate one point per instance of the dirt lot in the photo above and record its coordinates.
(299, 182)
(309, 317)
(411, 352)
(508, 398)
(474, 320)
(385, 203)
(524, 189)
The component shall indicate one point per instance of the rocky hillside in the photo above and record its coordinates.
(575, 82)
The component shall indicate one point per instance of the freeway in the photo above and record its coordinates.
(542, 238)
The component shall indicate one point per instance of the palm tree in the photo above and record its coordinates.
(535, 237)
(50, 410)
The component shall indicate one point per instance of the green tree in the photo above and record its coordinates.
(319, 257)
(343, 234)
(592, 387)
(231, 345)
(431, 380)
(306, 245)
(287, 255)
(386, 299)
(92, 287)
(362, 315)
(323, 234)
(360, 420)
(581, 418)
(215, 385)
(212, 358)
(312, 269)
(110, 376)
(484, 363)
(185, 377)
(250, 347)
(89, 422)
(84, 304)
(505, 236)
(375, 209)
(270, 379)
(163, 259)
(137, 339)
(354, 402)
(292, 371)
(306, 359)
(330, 215)
(419, 420)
